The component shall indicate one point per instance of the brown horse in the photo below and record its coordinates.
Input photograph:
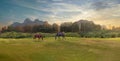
(38, 36)
(60, 34)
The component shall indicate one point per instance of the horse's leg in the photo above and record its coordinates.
(55, 37)
(59, 37)
(63, 36)
(38, 38)
(42, 37)
(34, 37)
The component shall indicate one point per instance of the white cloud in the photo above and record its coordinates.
(62, 11)
(57, 0)
(41, 1)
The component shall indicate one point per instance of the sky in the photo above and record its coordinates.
(104, 12)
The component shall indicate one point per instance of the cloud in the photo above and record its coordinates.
(57, 0)
(100, 11)
(41, 1)
(102, 4)
(47, 7)
(56, 10)
(107, 16)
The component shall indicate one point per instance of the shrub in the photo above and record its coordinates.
(15, 35)
(72, 34)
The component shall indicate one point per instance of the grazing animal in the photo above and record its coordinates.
(38, 36)
(60, 34)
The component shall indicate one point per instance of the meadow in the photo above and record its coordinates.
(69, 49)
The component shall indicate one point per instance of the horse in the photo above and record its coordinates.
(38, 36)
(60, 34)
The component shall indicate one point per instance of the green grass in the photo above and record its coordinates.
(70, 49)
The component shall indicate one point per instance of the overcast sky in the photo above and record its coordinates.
(100, 11)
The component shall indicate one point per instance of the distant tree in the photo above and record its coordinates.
(37, 28)
(47, 27)
(75, 27)
(0, 31)
(66, 27)
(55, 27)
(27, 28)
(19, 28)
(85, 26)
(10, 28)
(4, 29)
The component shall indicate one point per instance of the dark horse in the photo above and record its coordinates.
(38, 36)
(60, 34)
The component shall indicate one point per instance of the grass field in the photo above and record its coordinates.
(70, 49)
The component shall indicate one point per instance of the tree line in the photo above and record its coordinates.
(81, 28)
(78, 26)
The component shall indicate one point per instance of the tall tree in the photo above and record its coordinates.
(66, 27)
(55, 27)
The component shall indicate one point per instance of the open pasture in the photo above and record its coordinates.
(69, 49)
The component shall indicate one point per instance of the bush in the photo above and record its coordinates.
(100, 34)
(48, 34)
(95, 34)
(15, 35)
(28, 35)
(72, 34)
(66, 34)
